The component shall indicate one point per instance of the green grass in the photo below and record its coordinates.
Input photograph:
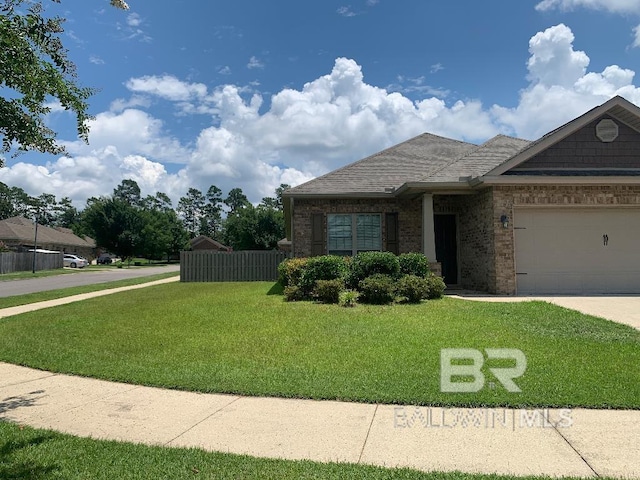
(5, 277)
(234, 338)
(67, 292)
(26, 453)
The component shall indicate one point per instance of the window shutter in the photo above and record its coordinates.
(393, 233)
(317, 234)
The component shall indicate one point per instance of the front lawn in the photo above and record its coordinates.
(235, 338)
(26, 453)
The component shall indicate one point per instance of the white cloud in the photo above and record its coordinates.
(436, 67)
(254, 62)
(615, 6)
(96, 60)
(558, 78)
(168, 87)
(346, 11)
(636, 37)
(120, 104)
(553, 60)
(226, 70)
(134, 20)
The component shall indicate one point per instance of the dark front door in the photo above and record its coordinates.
(447, 246)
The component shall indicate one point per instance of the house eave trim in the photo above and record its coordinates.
(559, 180)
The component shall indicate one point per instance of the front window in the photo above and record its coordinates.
(352, 233)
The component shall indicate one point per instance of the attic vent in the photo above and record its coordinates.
(607, 130)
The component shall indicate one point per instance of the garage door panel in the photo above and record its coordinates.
(562, 250)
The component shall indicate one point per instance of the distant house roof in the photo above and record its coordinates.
(22, 230)
(202, 242)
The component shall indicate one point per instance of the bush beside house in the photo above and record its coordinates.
(368, 277)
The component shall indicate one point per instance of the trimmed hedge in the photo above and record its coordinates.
(290, 271)
(378, 289)
(325, 267)
(366, 264)
(371, 277)
(414, 264)
(412, 288)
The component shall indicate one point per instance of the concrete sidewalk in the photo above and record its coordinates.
(585, 443)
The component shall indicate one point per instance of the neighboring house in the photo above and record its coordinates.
(557, 215)
(202, 242)
(18, 234)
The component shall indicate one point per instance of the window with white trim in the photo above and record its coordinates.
(351, 233)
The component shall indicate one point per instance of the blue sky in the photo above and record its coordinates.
(253, 94)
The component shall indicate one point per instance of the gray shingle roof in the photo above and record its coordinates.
(409, 161)
(483, 159)
(20, 229)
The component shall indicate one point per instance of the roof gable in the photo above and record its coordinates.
(617, 108)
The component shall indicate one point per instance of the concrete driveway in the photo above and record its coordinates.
(81, 278)
(618, 308)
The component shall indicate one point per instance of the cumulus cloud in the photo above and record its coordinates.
(557, 75)
(256, 143)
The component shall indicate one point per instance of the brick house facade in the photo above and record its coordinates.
(506, 217)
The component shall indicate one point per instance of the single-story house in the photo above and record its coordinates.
(18, 233)
(202, 242)
(560, 214)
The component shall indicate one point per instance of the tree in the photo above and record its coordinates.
(67, 215)
(191, 209)
(115, 225)
(128, 191)
(34, 68)
(14, 202)
(211, 221)
(236, 200)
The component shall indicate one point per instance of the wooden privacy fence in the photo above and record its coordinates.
(23, 261)
(243, 266)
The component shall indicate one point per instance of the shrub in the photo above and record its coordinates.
(328, 291)
(414, 264)
(293, 293)
(325, 267)
(436, 287)
(413, 288)
(290, 271)
(348, 298)
(377, 289)
(366, 264)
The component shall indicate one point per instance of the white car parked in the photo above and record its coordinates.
(74, 261)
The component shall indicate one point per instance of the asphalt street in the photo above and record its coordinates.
(80, 278)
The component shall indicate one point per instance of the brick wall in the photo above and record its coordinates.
(409, 219)
(505, 198)
(475, 237)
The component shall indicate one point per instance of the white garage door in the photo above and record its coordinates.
(577, 250)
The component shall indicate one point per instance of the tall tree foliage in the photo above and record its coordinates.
(34, 68)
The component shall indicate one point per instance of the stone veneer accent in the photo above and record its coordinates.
(505, 198)
(409, 219)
